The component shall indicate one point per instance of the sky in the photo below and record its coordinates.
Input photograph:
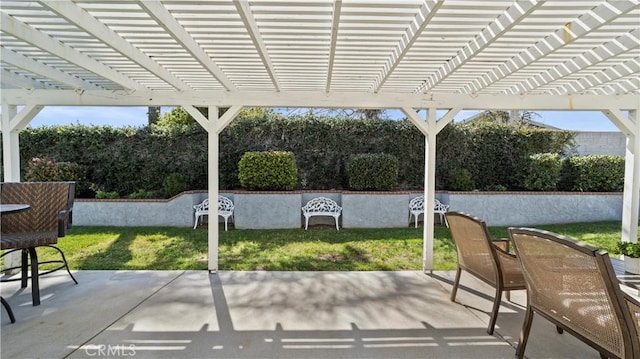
(137, 117)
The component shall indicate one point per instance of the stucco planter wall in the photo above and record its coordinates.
(267, 210)
(375, 209)
(531, 208)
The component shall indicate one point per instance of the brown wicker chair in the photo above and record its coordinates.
(486, 258)
(574, 286)
(48, 218)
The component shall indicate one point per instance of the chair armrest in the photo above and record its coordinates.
(634, 309)
(62, 226)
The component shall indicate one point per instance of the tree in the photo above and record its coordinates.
(513, 117)
(153, 114)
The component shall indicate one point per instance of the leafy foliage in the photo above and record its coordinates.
(543, 172)
(141, 194)
(461, 180)
(375, 172)
(125, 160)
(268, 170)
(173, 184)
(595, 173)
(631, 249)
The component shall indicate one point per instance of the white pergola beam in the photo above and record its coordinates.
(165, 19)
(505, 22)
(606, 51)
(335, 26)
(583, 25)
(625, 124)
(45, 42)
(11, 79)
(631, 67)
(49, 72)
(22, 118)
(82, 19)
(427, 11)
(244, 10)
(583, 102)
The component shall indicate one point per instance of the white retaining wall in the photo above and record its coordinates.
(360, 210)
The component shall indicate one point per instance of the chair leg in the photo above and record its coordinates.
(9, 311)
(225, 223)
(524, 333)
(24, 273)
(454, 290)
(494, 311)
(35, 280)
(66, 265)
(508, 295)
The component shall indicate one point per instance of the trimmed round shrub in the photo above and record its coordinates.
(543, 172)
(173, 184)
(373, 172)
(268, 170)
(461, 180)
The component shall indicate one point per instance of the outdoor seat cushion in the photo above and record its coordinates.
(23, 240)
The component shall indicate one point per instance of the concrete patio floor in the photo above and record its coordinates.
(192, 314)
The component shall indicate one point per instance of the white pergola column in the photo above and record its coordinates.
(213, 125)
(430, 128)
(11, 124)
(630, 126)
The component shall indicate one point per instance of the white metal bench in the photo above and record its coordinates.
(416, 208)
(321, 206)
(225, 210)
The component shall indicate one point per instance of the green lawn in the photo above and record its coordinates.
(162, 248)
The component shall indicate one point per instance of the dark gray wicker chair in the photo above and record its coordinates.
(485, 258)
(48, 218)
(574, 286)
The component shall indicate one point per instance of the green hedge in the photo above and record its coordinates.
(268, 170)
(127, 160)
(543, 172)
(373, 172)
(594, 173)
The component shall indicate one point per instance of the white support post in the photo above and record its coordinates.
(10, 145)
(429, 190)
(430, 128)
(213, 182)
(11, 123)
(213, 125)
(631, 196)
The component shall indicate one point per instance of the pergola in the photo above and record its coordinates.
(410, 55)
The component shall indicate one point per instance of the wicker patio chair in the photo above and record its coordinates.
(574, 286)
(485, 258)
(48, 218)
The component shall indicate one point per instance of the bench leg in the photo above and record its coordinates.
(337, 228)
(195, 223)
(306, 222)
